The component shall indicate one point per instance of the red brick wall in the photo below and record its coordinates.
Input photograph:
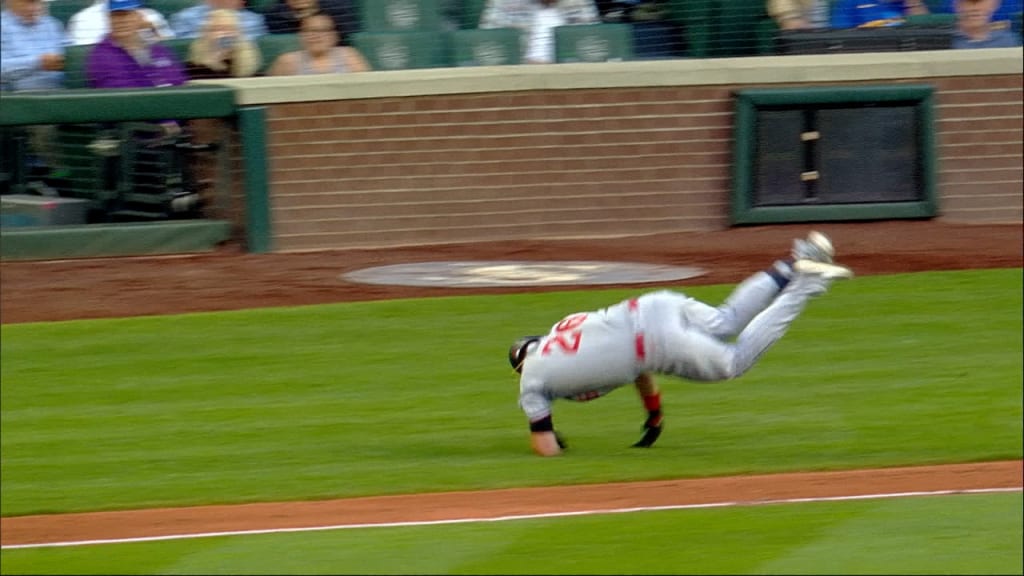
(979, 138)
(573, 163)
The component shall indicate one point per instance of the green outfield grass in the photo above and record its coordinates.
(410, 396)
(964, 534)
(416, 395)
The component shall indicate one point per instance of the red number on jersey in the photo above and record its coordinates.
(569, 343)
(570, 322)
(562, 341)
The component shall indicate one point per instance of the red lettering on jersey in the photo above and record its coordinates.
(570, 322)
(569, 343)
(561, 341)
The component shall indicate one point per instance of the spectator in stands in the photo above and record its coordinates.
(222, 51)
(976, 28)
(861, 14)
(188, 23)
(31, 47)
(1004, 12)
(537, 19)
(32, 58)
(799, 14)
(285, 16)
(128, 58)
(321, 52)
(91, 24)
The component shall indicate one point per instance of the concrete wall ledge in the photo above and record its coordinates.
(643, 73)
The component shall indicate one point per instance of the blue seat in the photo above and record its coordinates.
(653, 40)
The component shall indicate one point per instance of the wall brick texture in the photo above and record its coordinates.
(574, 163)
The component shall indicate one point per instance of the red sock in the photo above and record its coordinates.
(652, 402)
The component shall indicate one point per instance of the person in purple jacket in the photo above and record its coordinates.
(128, 57)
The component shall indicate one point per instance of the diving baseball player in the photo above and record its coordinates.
(588, 354)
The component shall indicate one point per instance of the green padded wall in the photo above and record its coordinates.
(111, 240)
(116, 105)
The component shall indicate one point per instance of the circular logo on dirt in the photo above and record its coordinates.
(497, 273)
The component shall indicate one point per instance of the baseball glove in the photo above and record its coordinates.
(652, 430)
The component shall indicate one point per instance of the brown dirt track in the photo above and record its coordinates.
(230, 279)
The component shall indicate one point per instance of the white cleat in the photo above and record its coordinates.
(816, 247)
(826, 270)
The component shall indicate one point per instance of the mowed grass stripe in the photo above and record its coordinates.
(408, 396)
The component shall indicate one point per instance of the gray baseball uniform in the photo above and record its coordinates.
(588, 354)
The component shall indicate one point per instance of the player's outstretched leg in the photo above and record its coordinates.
(810, 278)
(702, 355)
(758, 290)
(822, 269)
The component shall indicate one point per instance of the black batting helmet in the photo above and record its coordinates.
(517, 352)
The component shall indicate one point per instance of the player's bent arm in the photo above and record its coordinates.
(543, 439)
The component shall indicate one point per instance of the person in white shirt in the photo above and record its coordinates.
(799, 14)
(90, 25)
(536, 20)
(188, 23)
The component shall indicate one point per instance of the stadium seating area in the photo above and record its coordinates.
(397, 34)
(424, 41)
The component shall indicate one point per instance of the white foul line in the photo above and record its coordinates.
(506, 518)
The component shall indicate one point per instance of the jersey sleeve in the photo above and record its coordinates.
(534, 402)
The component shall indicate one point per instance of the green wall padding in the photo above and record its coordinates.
(116, 105)
(105, 240)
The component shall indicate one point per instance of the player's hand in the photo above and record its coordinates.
(652, 430)
(546, 443)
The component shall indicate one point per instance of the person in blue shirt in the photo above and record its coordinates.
(867, 13)
(976, 26)
(1004, 11)
(188, 23)
(32, 58)
(31, 47)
